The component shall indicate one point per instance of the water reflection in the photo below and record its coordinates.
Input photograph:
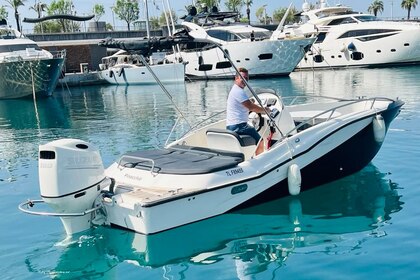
(253, 238)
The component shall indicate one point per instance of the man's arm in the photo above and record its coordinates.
(254, 107)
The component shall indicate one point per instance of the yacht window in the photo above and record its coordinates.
(367, 18)
(364, 32)
(393, 50)
(356, 55)
(14, 48)
(321, 37)
(406, 44)
(339, 21)
(205, 67)
(264, 56)
(378, 51)
(259, 35)
(370, 38)
(223, 64)
(223, 35)
(318, 58)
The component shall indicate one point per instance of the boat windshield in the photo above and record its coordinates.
(20, 47)
(366, 18)
(339, 21)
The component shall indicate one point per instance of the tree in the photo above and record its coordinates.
(127, 11)
(49, 26)
(98, 10)
(261, 15)
(63, 7)
(408, 5)
(3, 13)
(248, 4)
(234, 6)
(279, 14)
(206, 4)
(162, 18)
(39, 7)
(376, 7)
(15, 4)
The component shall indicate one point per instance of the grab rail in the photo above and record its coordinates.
(31, 203)
(136, 163)
(332, 110)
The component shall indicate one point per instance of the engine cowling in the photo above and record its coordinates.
(71, 176)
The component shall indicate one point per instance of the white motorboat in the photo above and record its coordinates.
(123, 68)
(209, 170)
(347, 38)
(25, 68)
(248, 46)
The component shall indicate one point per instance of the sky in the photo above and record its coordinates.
(392, 8)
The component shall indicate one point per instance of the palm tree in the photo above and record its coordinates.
(248, 4)
(39, 7)
(375, 7)
(15, 4)
(408, 5)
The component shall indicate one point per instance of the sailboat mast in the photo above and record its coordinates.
(147, 19)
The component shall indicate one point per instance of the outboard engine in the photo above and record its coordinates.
(71, 176)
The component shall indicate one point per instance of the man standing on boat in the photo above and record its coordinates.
(238, 107)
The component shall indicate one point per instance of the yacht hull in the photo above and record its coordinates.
(139, 75)
(261, 58)
(398, 48)
(24, 78)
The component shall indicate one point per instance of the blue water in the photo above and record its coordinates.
(363, 226)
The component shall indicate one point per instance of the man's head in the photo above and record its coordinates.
(238, 80)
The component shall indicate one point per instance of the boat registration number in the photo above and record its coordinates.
(235, 171)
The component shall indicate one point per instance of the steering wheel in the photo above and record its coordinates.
(255, 120)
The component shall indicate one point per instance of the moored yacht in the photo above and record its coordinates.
(25, 68)
(248, 46)
(348, 38)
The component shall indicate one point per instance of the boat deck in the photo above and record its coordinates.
(182, 160)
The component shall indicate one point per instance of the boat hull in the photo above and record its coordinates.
(139, 75)
(24, 78)
(322, 157)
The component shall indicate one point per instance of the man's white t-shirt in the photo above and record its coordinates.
(236, 112)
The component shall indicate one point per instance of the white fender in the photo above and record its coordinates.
(294, 179)
(379, 128)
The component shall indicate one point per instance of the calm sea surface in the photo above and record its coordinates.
(365, 226)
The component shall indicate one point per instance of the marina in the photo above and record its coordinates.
(137, 168)
(119, 119)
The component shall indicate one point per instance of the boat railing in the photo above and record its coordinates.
(326, 115)
(59, 54)
(201, 123)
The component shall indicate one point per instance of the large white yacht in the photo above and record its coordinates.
(347, 38)
(248, 46)
(25, 68)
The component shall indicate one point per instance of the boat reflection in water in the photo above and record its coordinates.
(252, 238)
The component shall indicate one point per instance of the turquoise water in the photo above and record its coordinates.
(363, 226)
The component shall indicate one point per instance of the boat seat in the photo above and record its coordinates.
(224, 139)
